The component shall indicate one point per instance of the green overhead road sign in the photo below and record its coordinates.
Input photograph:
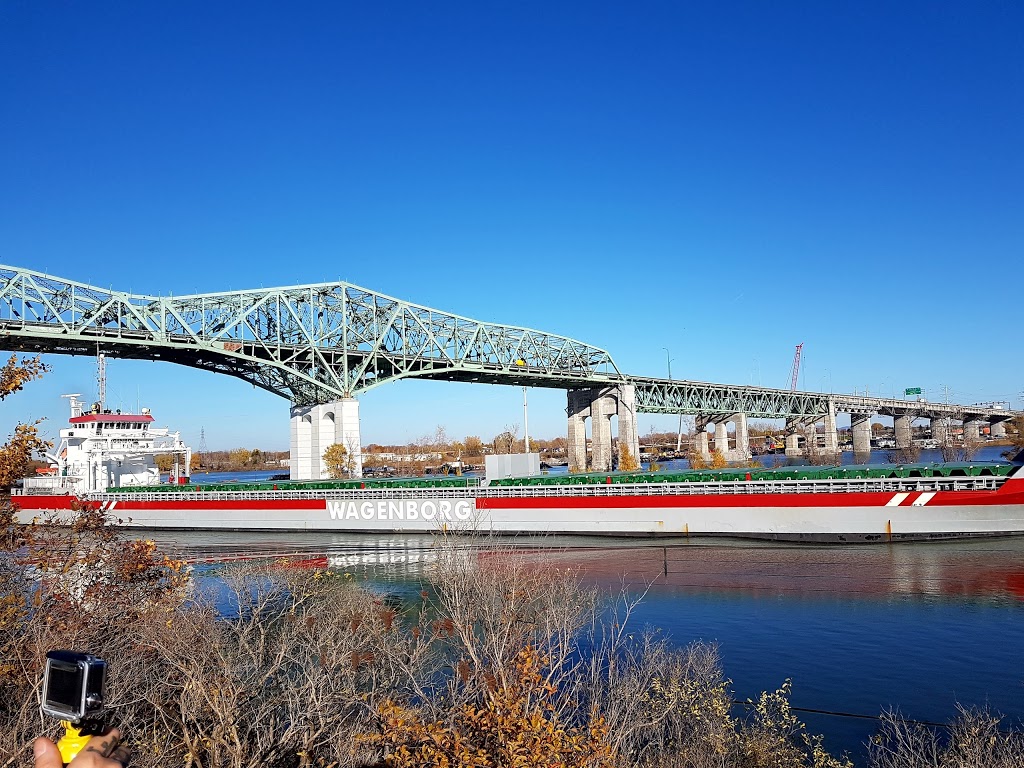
(912, 391)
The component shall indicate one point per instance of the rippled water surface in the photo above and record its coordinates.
(859, 629)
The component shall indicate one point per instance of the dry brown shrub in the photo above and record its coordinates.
(977, 737)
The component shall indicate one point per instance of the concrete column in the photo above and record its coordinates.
(940, 430)
(997, 429)
(860, 425)
(602, 408)
(831, 433)
(972, 430)
(702, 448)
(314, 428)
(742, 450)
(811, 445)
(347, 432)
(901, 425)
(578, 410)
(300, 448)
(626, 411)
(793, 438)
(722, 437)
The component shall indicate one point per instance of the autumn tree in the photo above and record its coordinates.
(1015, 434)
(627, 461)
(440, 440)
(239, 457)
(16, 454)
(474, 445)
(17, 373)
(506, 441)
(338, 460)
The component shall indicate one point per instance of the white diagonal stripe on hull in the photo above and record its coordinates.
(923, 499)
(896, 500)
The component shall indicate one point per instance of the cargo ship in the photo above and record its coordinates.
(865, 503)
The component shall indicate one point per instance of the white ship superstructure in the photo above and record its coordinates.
(101, 448)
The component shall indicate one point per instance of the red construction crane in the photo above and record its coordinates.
(794, 374)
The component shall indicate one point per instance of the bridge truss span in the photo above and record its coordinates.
(310, 344)
(703, 398)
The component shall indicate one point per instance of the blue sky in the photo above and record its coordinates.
(722, 179)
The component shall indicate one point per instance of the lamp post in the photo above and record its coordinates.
(526, 424)
(679, 431)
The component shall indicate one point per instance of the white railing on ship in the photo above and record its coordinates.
(738, 488)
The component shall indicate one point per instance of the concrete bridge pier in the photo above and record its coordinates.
(599, 405)
(314, 428)
(793, 427)
(629, 434)
(940, 430)
(702, 448)
(997, 429)
(860, 426)
(812, 443)
(972, 430)
(901, 426)
(742, 450)
(737, 449)
(831, 446)
(602, 408)
(722, 437)
(578, 410)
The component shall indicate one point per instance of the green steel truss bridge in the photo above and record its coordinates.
(317, 343)
(308, 343)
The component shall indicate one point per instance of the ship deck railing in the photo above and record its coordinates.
(727, 488)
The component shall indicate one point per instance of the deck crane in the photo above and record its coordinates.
(794, 374)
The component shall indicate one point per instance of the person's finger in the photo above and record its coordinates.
(105, 743)
(120, 754)
(46, 754)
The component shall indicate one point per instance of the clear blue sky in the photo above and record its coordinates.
(722, 179)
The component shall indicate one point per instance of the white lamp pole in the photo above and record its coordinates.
(679, 432)
(526, 423)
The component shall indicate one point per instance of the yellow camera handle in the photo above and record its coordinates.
(71, 743)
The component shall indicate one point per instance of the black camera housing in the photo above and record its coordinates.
(73, 685)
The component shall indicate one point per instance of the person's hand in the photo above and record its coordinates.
(104, 751)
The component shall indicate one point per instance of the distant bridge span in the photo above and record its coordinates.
(319, 344)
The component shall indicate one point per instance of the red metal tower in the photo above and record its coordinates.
(794, 374)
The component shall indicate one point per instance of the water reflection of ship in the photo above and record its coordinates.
(984, 568)
(397, 557)
(988, 571)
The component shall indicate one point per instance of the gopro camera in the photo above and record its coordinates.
(73, 685)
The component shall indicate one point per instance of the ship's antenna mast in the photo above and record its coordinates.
(101, 378)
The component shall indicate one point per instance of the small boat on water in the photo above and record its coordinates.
(106, 461)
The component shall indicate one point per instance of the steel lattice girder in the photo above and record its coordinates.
(702, 398)
(316, 343)
(311, 343)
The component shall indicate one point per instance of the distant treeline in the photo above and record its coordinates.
(238, 458)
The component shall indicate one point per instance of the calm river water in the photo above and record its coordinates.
(859, 629)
